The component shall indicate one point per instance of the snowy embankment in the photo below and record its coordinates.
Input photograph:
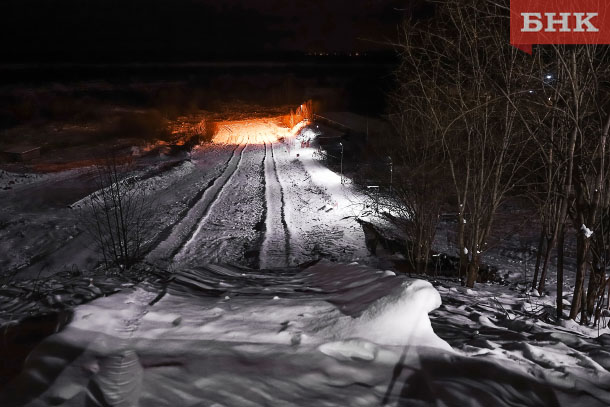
(9, 180)
(41, 240)
(330, 333)
(497, 324)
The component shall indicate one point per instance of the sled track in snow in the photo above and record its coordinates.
(276, 243)
(261, 225)
(175, 237)
(283, 212)
(216, 190)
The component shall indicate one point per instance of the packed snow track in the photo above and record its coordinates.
(183, 232)
(271, 205)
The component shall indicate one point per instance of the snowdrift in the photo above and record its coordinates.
(331, 335)
(401, 318)
(219, 318)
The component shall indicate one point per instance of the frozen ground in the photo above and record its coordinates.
(259, 330)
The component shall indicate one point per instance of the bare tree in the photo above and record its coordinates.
(570, 122)
(549, 168)
(118, 215)
(419, 187)
(581, 98)
(466, 80)
(511, 123)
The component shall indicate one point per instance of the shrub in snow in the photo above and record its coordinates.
(118, 215)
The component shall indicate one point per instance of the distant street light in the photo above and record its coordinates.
(549, 79)
(341, 144)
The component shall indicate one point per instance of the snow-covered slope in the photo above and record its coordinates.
(330, 334)
(237, 337)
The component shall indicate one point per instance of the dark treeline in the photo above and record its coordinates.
(26, 92)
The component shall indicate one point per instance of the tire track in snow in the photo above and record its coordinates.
(261, 225)
(275, 251)
(284, 223)
(213, 197)
(175, 237)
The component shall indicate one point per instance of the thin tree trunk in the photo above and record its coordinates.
(550, 244)
(473, 271)
(463, 267)
(539, 255)
(560, 254)
(582, 247)
(600, 299)
(596, 277)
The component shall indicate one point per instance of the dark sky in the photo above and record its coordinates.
(191, 30)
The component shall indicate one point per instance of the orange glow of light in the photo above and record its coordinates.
(264, 130)
(252, 131)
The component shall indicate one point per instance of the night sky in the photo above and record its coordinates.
(192, 30)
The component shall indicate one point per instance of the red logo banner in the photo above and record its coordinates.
(559, 22)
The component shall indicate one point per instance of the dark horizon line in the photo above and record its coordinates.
(375, 56)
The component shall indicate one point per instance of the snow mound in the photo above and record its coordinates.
(401, 318)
